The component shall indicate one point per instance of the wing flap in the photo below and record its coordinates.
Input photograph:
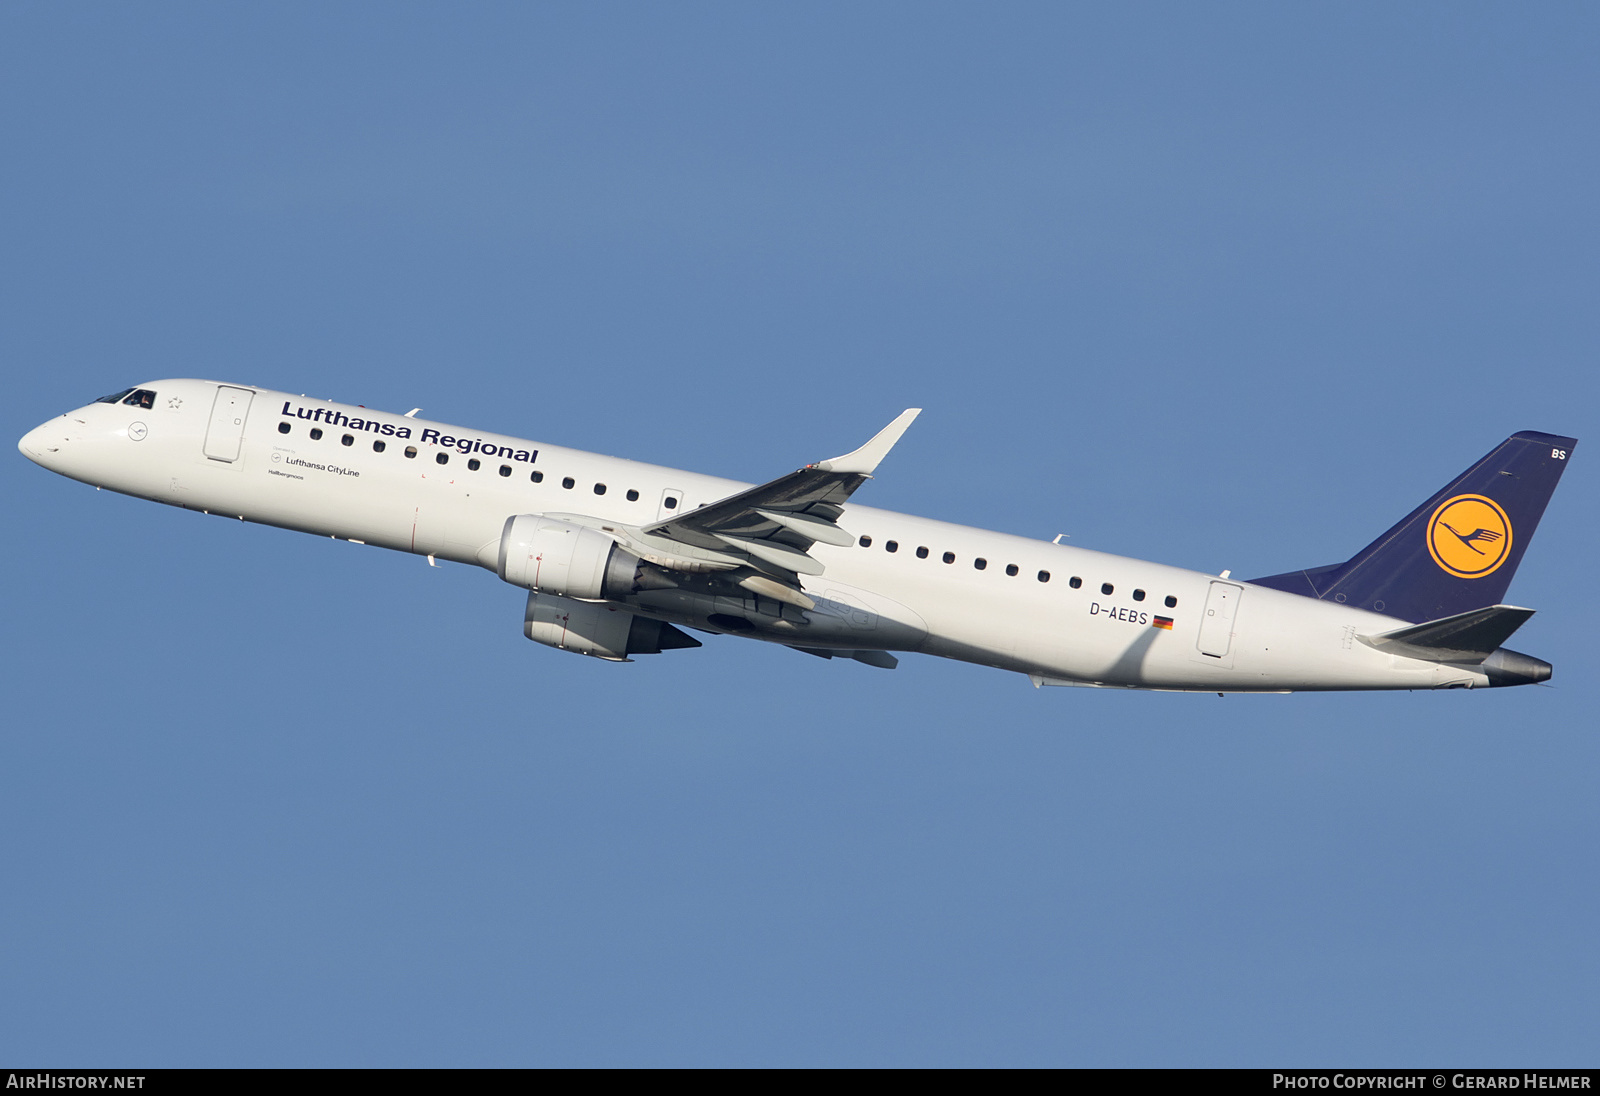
(815, 528)
(883, 660)
(775, 553)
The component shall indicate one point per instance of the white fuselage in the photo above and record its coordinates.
(1092, 622)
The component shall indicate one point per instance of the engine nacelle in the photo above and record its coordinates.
(597, 630)
(557, 557)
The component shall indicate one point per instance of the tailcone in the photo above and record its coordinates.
(1508, 667)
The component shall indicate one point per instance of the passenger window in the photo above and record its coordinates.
(633, 496)
(1011, 569)
(891, 546)
(670, 503)
(442, 458)
(922, 553)
(347, 440)
(474, 464)
(1138, 595)
(1075, 582)
(1107, 589)
(980, 563)
(599, 488)
(1172, 602)
(569, 483)
(115, 397)
(949, 557)
(316, 433)
(411, 451)
(283, 428)
(505, 470)
(141, 397)
(1044, 576)
(866, 542)
(536, 477)
(378, 446)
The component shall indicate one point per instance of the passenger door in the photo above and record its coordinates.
(226, 430)
(1216, 626)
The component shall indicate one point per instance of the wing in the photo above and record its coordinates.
(773, 526)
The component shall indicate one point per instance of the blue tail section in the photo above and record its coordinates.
(1457, 551)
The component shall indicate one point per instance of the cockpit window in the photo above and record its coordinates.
(115, 397)
(141, 397)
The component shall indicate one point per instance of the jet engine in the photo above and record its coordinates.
(598, 630)
(557, 557)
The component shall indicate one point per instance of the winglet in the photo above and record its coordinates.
(864, 460)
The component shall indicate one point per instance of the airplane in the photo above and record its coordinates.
(618, 557)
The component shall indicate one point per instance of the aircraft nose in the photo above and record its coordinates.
(32, 444)
(43, 442)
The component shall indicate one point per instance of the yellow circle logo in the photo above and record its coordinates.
(1469, 536)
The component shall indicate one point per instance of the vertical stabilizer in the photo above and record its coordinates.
(1457, 551)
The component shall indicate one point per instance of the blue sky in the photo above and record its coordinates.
(1225, 286)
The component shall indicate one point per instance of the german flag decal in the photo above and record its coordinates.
(1161, 622)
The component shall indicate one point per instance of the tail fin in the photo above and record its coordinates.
(1457, 551)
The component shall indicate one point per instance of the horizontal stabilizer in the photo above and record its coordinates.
(1467, 637)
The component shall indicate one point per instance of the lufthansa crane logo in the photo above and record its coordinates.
(1469, 536)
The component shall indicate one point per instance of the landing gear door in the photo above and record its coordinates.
(1216, 626)
(226, 430)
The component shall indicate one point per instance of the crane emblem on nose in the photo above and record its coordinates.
(1469, 536)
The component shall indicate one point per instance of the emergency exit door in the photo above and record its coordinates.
(671, 503)
(226, 430)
